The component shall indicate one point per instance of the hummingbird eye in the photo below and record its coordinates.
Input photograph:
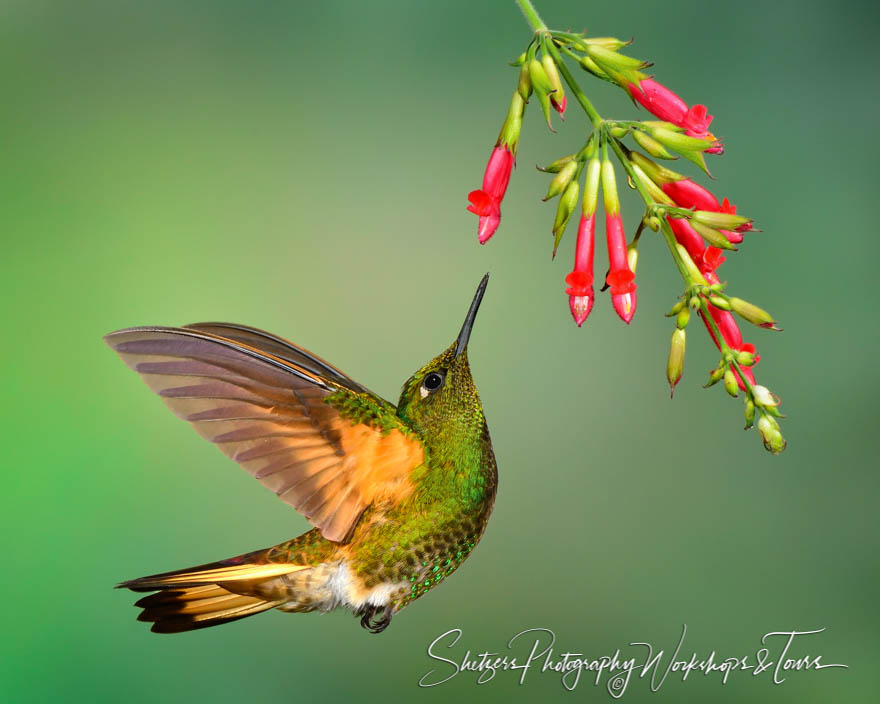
(431, 383)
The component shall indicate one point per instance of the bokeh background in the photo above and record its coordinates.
(303, 168)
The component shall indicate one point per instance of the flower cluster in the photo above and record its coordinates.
(698, 227)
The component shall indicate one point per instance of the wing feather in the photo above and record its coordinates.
(263, 402)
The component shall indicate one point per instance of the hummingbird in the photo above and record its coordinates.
(399, 496)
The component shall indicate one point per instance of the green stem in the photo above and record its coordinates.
(582, 99)
(531, 15)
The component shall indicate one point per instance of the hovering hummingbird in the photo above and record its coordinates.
(398, 496)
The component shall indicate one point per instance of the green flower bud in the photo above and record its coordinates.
(556, 166)
(567, 204)
(714, 377)
(720, 221)
(659, 174)
(750, 413)
(694, 301)
(676, 309)
(771, 434)
(619, 131)
(675, 362)
(764, 397)
(562, 179)
(730, 385)
(524, 87)
(652, 188)
(714, 237)
(745, 359)
(719, 302)
(651, 145)
(683, 318)
(612, 43)
(748, 311)
(519, 60)
(654, 223)
(590, 66)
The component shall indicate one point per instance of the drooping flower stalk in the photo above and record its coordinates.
(698, 228)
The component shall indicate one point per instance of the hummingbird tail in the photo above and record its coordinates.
(207, 595)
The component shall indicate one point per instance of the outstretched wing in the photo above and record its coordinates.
(321, 442)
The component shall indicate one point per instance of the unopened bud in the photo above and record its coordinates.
(562, 179)
(750, 413)
(557, 96)
(745, 359)
(619, 131)
(694, 303)
(676, 309)
(612, 43)
(555, 166)
(770, 434)
(714, 237)
(652, 188)
(764, 397)
(720, 221)
(519, 60)
(524, 87)
(730, 385)
(675, 363)
(719, 302)
(651, 145)
(592, 67)
(542, 87)
(751, 312)
(567, 204)
(653, 222)
(658, 174)
(682, 319)
(609, 58)
(714, 377)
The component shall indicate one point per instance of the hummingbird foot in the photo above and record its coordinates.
(369, 619)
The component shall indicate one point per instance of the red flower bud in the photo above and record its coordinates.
(580, 280)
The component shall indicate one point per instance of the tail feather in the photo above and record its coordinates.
(179, 610)
(207, 595)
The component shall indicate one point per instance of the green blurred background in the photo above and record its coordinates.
(303, 168)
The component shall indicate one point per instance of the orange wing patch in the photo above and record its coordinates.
(269, 415)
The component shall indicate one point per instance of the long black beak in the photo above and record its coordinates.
(465, 333)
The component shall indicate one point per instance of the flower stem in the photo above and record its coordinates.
(575, 88)
(531, 15)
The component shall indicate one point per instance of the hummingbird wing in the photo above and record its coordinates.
(279, 347)
(306, 431)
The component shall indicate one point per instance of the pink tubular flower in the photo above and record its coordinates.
(661, 102)
(487, 202)
(580, 280)
(658, 100)
(690, 194)
(620, 279)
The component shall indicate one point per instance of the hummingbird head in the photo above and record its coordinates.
(441, 398)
